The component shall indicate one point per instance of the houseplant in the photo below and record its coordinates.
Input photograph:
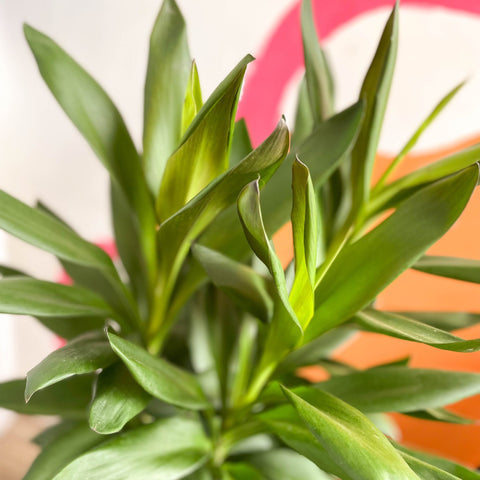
(181, 361)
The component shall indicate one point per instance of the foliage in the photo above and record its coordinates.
(181, 362)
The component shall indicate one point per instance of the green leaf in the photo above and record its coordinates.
(303, 116)
(241, 144)
(99, 121)
(29, 296)
(397, 389)
(285, 464)
(444, 320)
(392, 194)
(6, 271)
(84, 354)
(118, 398)
(68, 399)
(158, 377)
(354, 280)
(426, 471)
(61, 451)
(203, 153)
(317, 72)
(241, 471)
(185, 226)
(375, 91)
(168, 449)
(351, 440)
(284, 331)
(446, 465)
(305, 243)
(418, 133)
(193, 99)
(167, 78)
(464, 269)
(440, 415)
(408, 329)
(241, 283)
(71, 327)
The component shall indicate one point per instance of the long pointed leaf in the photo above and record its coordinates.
(351, 440)
(99, 121)
(118, 398)
(375, 91)
(159, 377)
(167, 77)
(203, 153)
(354, 279)
(136, 454)
(85, 354)
(464, 269)
(408, 329)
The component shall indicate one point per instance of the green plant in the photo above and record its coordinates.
(181, 361)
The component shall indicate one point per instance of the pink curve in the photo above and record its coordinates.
(282, 54)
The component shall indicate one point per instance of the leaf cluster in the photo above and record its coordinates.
(182, 355)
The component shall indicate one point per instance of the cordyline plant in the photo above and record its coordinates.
(181, 360)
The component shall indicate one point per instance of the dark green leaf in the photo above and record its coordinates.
(374, 92)
(29, 296)
(11, 272)
(241, 144)
(97, 118)
(61, 451)
(317, 72)
(440, 415)
(84, 354)
(351, 440)
(203, 153)
(241, 471)
(168, 449)
(398, 389)
(69, 398)
(426, 471)
(246, 287)
(159, 377)
(353, 280)
(167, 77)
(118, 398)
(408, 329)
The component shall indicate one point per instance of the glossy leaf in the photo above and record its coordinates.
(351, 440)
(167, 78)
(408, 329)
(29, 296)
(118, 398)
(99, 121)
(317, 73)
(285, 464)
(305, 243)
(193, 99)
(84, 354)
(69, 398)
(184, 227)
(464, 269)
(61, 451)
(353, 280)
(374, 92)
(159, 377)
(241, 283)
(398, 389)
(136, 453)
(203, 153)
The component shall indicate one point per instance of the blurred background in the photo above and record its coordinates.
(43, 157)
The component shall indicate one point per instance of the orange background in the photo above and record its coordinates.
(419, 291)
